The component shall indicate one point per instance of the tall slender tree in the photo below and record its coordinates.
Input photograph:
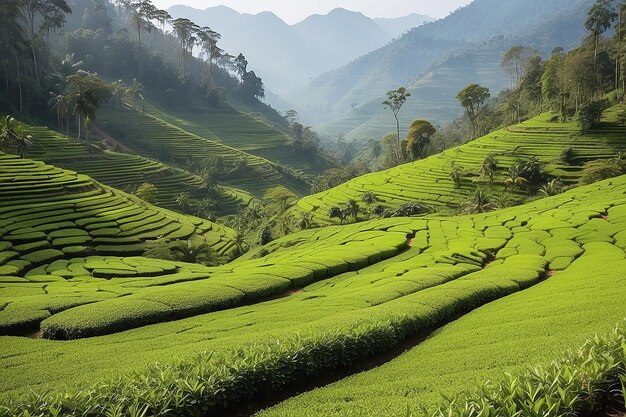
(40, 16)
(185, 31)
(394, 102)
(517, 61)
(58, 103)
(142, 14)
(87, 92)
(473, 98)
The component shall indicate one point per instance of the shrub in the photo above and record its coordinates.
(602, 169)
(581, 383)
(590, 114)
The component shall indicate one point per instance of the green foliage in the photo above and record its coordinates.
(147, 192)
(456, 175)
(599, 170)
(589, 114)
(472, 98)
(191, 251)
(581, 383)
(418, 138)
(12, 135)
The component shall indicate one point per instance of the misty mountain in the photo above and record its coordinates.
(340, 93)
(397, 26)
(286, 56)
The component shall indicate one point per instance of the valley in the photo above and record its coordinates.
(365, 212)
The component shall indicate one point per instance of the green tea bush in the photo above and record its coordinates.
(583, 382)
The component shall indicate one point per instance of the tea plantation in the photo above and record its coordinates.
(49, 215)
(126, 170)
(429, 180)
(164, 141)
(547, 275)
(244, 132)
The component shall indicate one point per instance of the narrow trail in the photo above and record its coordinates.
(110, 142)
(252, 407)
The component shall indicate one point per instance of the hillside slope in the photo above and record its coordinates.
(397, 288)
(247, 132)
(128, 171)
(286, 56)
(433, 95)
(429, 181)
(404, 60)
(156, 138)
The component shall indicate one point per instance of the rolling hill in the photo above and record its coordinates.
(154, 137)
(366, 79)
(367, 287)
(434, 92)
(128, 171)
(429, 181)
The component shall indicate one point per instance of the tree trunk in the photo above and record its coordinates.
(19, 82)
(139, 49)
(398, 153)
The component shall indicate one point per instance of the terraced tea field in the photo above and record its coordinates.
(243, 132)
(125, 170)
(156, 138)
(49, 215)
(549, 272)
(429, 180)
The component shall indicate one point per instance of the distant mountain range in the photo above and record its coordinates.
(289, 56)
(434, 61)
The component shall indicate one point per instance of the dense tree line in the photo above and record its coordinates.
(128, 40)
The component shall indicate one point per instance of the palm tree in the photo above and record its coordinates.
(58, 102)
(352, 209)
(205, 207)
(119, 92)
(183, 200)
(135, 91)
(240, 243)
(194, 252)
(480, 202)
(12, 134)
(87, 92)
(514, 177)
(489, 167)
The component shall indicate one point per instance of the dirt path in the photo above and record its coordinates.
(110, 142)
(250, 408)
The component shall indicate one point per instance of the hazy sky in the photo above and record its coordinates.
(293, 11)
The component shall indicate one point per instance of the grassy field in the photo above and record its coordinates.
(153, 137)
(126, 170)
(429, 180)
(373, 283)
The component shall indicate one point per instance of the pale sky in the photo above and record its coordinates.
(293, 11)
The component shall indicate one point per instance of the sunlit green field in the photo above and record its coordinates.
(399, 276)
(429, 181)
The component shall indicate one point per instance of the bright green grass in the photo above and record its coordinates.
(154, 137)
(428, 180)
(524, 329)
(449, 270)
(123, 170)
